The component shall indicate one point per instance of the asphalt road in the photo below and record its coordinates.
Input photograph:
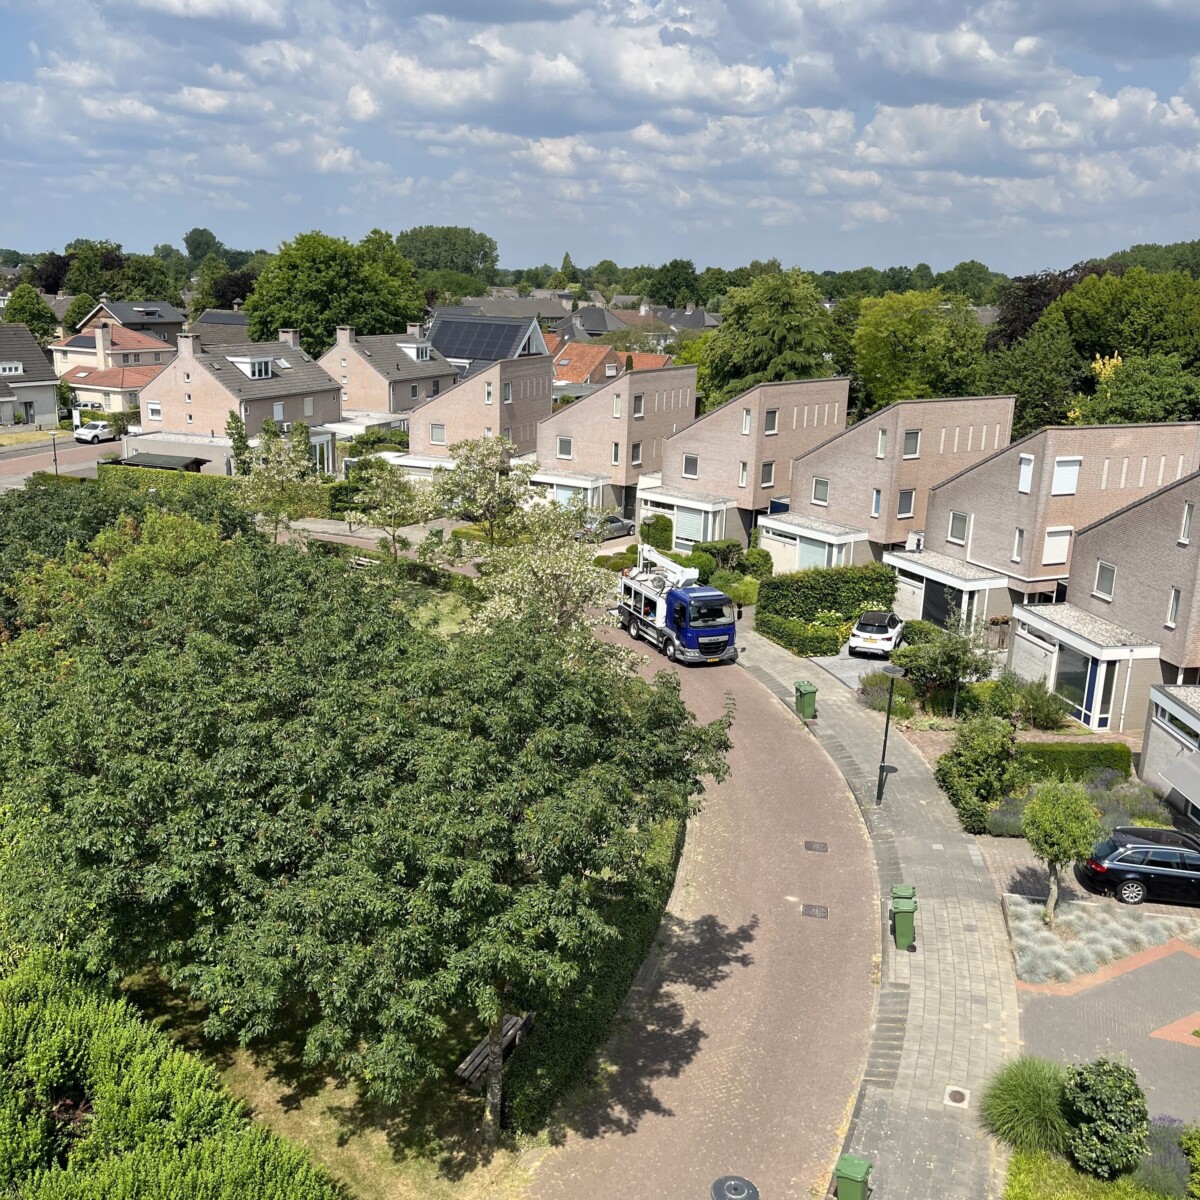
(74, 458)
(741, 1046)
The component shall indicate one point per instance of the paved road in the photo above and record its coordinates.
(74, 458)
(743, 1045)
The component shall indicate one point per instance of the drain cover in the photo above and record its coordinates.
(734, 1187)
(957, 1097)
(815, 910)
(817, 847)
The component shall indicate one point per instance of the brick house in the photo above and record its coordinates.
(603, 444)
(1170, 761)
(864, 491)
(1000, 532)
(472, 343)
(387, 373)
(106, 344)
(155, 317)
(581, 367)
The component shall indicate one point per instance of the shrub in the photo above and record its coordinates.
(980, 769)
(1073, 760)
(746, 591)
(705, 564)
(873, 691)
(726, 581)
(802, 594)
(1107, 1110)
(800, 637)
(1165, 1170)
(758, 563)
(1045, 1177)
(1121, 801)
(1023, 1105)
(1002, 697)
(727, 553)
(1040, 707)
(1005, 819)
(1189, 1143)
(916, 632)
(658, 532)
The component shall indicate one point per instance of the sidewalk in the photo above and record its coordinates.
(947, 1014)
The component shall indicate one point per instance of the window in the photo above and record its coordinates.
(1056, 547)
(413, 391)
(639, 404)
(187, 397)
(11, 368)
(1175, 725)
(881, 444)
(435, 387)
(189, 418)
(1018, 545)
(616, 404)
(260, 368)
(1185, 529)
(343, 362)
(487, 432)
(508, 433)
(635, 454)
(124, 360)
(487, 392)
(1106, 576)
(565, 447)
(770, 422)
(610, 370)
(153, 411)
(958, 528)
(876, 501)
(820, 491)
(508, 393)
(616, 453)
(187, 377)
(741, 474)
(905, 506)
(437, 435)
(137, 358)
(745, 420)
(1025, 473)
(912, 443)
(343, 381)
(422, 353)
(157, 357)
(691, 466)
(768, 474)
(277, 411)
(1066, 476)
(308, 406)
(1173, 608)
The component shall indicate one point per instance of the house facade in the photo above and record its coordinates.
(28, 387)
(472, 343)
(106, 345)
(387, 373)
(1170, 758)
(581, 367)
(155, 317)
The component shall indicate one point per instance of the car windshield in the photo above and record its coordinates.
(1106, 849)
(706, 613)
(94, 425)
(865, 626)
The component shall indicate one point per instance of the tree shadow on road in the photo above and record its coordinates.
(655, 1037)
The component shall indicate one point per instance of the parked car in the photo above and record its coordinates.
(600, 527)
(876, 633)
(96, 431)
(1145, 864)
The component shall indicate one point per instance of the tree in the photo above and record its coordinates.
(387, 499)
(1061, 827)
(971, 279)
(316, 283)
(675, 281)
(235, 431)
(26, 307)
(77, 310)
(1023, 300)
(449, 287)
(50, 273)
(605, 274)
(913, 345)
(280, 484)
(1137, 390)
(774, 329)
(695, 350)
(485, 486)
(1042, 370)
(200, 243)
(96, 268)
(168, 253)
(945, 660)
(449, 248)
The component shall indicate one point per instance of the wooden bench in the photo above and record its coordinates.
(473, 1069)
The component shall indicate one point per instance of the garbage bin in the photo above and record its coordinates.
(851, 1174)
(904, 923)
(903, 891)
(806, 699)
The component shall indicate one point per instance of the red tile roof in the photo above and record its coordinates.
(122, 339)
(643, 361)
(554, 343)
(115, 379)
(576, 361)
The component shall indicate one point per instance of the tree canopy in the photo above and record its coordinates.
(26, 307)
(449, 248)
(1138, 389)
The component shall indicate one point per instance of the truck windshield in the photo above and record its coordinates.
(706, 613)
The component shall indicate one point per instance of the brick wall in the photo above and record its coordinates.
(365, 390)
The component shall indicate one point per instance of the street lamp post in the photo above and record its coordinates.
(54, 450)
(893, 673)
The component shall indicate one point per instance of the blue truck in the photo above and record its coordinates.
(664, 604)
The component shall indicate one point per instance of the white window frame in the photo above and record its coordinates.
(694, 473)
(1062, 468)
(1018, 549)
(616, 404)
(616, 454)
(434, 440)
(1025, 473)
(771, 422)
(187, 397)
(635, 454)
(610, 370)
(745, 421)
(966, 528)
(881, 444)
(1185, 526)
(816, 499)
(188, 418)
(277, 412)
(911, 493)
(487, 392)
(639, 405)
(153, 410)
(1055, 530)
(558, 446)
(1096, 590)
(766, 477)
(413, 392)
(908, 433)
(507, 390)
(260, 368)
(742, 472)
(1172, 608)
(876, 501)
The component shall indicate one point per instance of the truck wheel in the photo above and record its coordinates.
(634, 631)
(669, 649)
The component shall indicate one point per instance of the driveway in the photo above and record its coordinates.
(741, 1047)
(850, 670)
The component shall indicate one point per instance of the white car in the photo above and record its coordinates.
(876, 632)
(96, 431)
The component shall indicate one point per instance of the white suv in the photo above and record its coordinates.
(876, 633)
(96, 431)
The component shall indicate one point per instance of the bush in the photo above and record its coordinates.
(1044, 1177)
(1040, 707)
(800, 595)
(1189, 1143)
(916, 632)
(758, 563)
(1005, 819)
(800, 637)
(980, 769)
(1123, 801)
(658, 532)
(873, 692)
(746, 591)
(725, 580)
(705, 564)
(728, 553)
(558, 1048)
(1023, 1105)
(1165, 1170)
(1107, 1110)
(1073, 760)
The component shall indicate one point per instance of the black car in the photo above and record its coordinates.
(1145, 864)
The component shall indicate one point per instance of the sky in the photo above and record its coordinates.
(828, 133)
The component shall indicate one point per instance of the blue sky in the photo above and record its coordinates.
(830, 133)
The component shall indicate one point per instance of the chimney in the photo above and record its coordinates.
(290, 337)
(188, 344)
(414, 329)
(237, 305)
(103, 346)
(345, 335)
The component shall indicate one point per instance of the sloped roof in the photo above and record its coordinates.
(479, 339)
(122, 339)
(644, 361)
(633, 316)
(301, 374)
(577, 360)
(17, 344)
(221, 316)
(117, 379)
(386, 355)
(591, 319)
(140, 312)
(554, 343)
(503, 306)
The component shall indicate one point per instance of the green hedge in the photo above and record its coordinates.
(917, 631)
(658, 532)
(95, 1105)
(1073, 760)
(563, 1040)
(800, 595)
(728, 553)
(804, 638)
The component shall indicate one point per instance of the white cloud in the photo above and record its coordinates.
(118, 108)
(360, 104)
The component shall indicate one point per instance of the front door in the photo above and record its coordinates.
(27, 406)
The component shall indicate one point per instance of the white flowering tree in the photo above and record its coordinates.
(281, 484)
(390, 501)
(485, 486)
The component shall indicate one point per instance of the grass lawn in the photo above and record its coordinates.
(19, 437)
(445, 611)
(1044, 1177)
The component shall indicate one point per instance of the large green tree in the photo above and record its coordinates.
(77, 310)
(1139, 389)
(449, 248)
(774, 329)
(972, 279)
(673, 282)
(96, 267)
(1042, 370)
(317, 282)
(485, 486)
(26, 307)
(200, 243)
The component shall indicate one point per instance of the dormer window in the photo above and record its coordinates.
(422, 353)
(11, 368)
(417, 351)
(260, 368)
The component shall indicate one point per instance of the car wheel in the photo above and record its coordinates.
(95, 439)
(669, 650)
(630, 529)
(851, 652)
(1131, 892)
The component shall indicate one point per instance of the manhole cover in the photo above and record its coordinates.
(817, 847)
(734, 1187)
(957, 1097)
(815, 910)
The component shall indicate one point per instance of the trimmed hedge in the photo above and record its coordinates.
(803, 638)
(917, 631)
(800, 595)
(556, 1052)
(1073, 760)
(95, 1105)
(658, 532)
(728, 553)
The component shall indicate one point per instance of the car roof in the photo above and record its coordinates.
(1134, 835)
(876, 616)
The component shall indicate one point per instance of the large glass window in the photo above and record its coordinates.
(904, 507)
(771, 422)
(1025, 473)
(1106, 578)
(1071, 678)
(691, 466)
(912, 443)
(820, 492)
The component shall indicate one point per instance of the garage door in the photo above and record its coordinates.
(782, 550)
(909, 597)
(1030, 658)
